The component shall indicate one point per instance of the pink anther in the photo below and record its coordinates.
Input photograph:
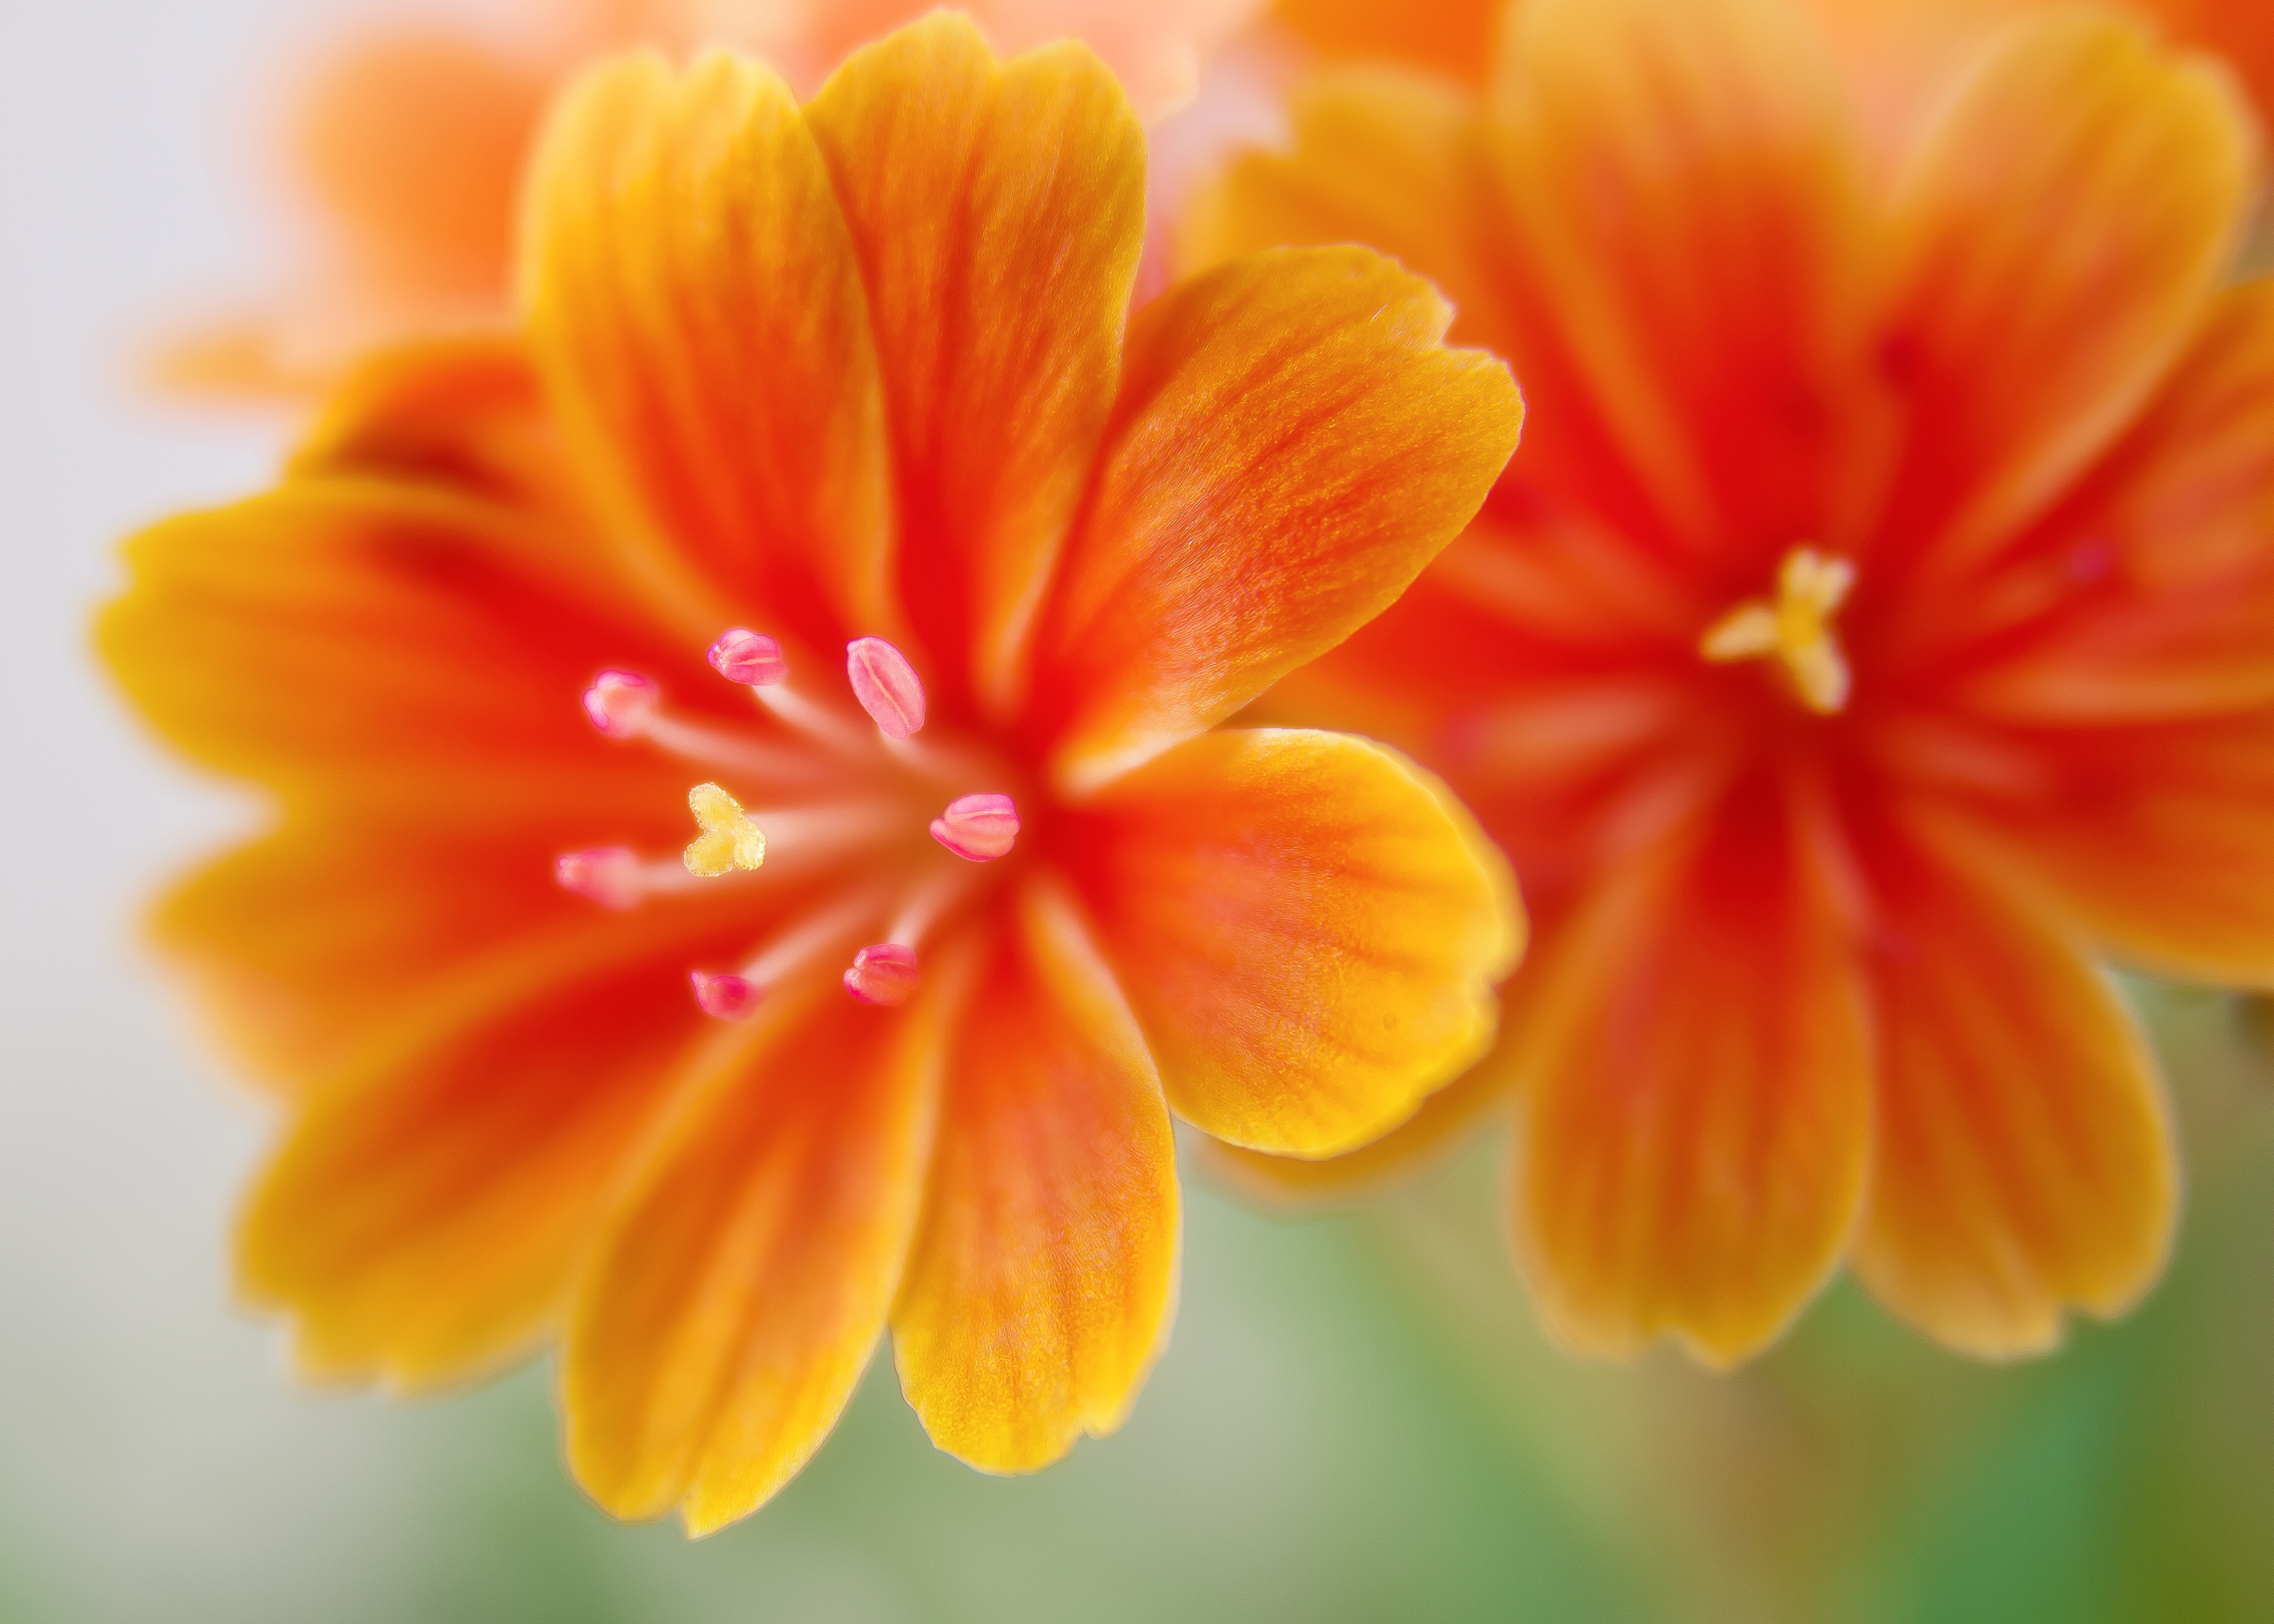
(884, 974)
(622, 702)
(978, 828)
(609, 875)
(751, 658)
(726, 996)
(886, 685)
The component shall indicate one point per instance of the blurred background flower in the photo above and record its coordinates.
(400, 143)
(1360, 1422)
(1874, 623)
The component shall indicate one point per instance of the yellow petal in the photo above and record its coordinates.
(695, 302)
(998, 214)
(2024, 1162)
(1309, 928)
(1694, 1104)
(1293, 444)
(743, 1280)
(2058, 238)
(1044, 1275)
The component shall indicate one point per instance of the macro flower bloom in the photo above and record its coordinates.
(407, 146)
(1891, 53)
(841, 956)
(1877, 623)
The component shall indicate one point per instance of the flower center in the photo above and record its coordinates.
(1795, 629)
(860, 798)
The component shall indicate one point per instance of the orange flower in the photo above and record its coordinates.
(1879, 617)
(408, 146)
(1891, 51)
(850, 376)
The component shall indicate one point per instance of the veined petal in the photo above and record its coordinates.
(1308, 928)
(1694, 1078)
(997, 215)
(2024, 1162)
(422, 1218)
(1291, 445)
(2152, 587)
(1044, 1275)
(353, 640)
(306, 948)
(463, 415)
(2150, 840)
(1394, 161)
(2057, 237)
(1686, 194)
(740, 1285)
(695, 301)
(1452, 37)
(1445, 1118)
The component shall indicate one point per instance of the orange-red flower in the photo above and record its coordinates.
(407, 147)
(1891, 52)
(1879, 619)
(971, 895)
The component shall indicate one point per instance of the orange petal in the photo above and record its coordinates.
(1308, 927)
(420, 1221)
(1395, 162)
(2151, 591)
(412, 140)
(1293, 443)
(1694, 1070)
(2024, 1161)
(1896, 54)
(997, 215)
(2242, 35)
(1453, 37)
(1549, 668)
(696, 303)
(306, 948)
(2057, 238)
(743, 1280)
(2152, 840)
(397, 648)
(1686, 195)
(465, 413)
(1446, 1117)
(1044, 1275)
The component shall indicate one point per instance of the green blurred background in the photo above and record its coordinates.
(1356, 1420)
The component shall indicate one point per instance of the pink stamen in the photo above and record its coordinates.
(886, 685)
(608, 875)
(884, 974)
(726, 996)
(622, 702)
(749, 657)
(978, 828)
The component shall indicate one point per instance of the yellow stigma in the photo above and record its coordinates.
(1795, 630)
(729, 839)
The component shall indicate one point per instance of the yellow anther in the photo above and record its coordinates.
(1795, 630)
(729, 839)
